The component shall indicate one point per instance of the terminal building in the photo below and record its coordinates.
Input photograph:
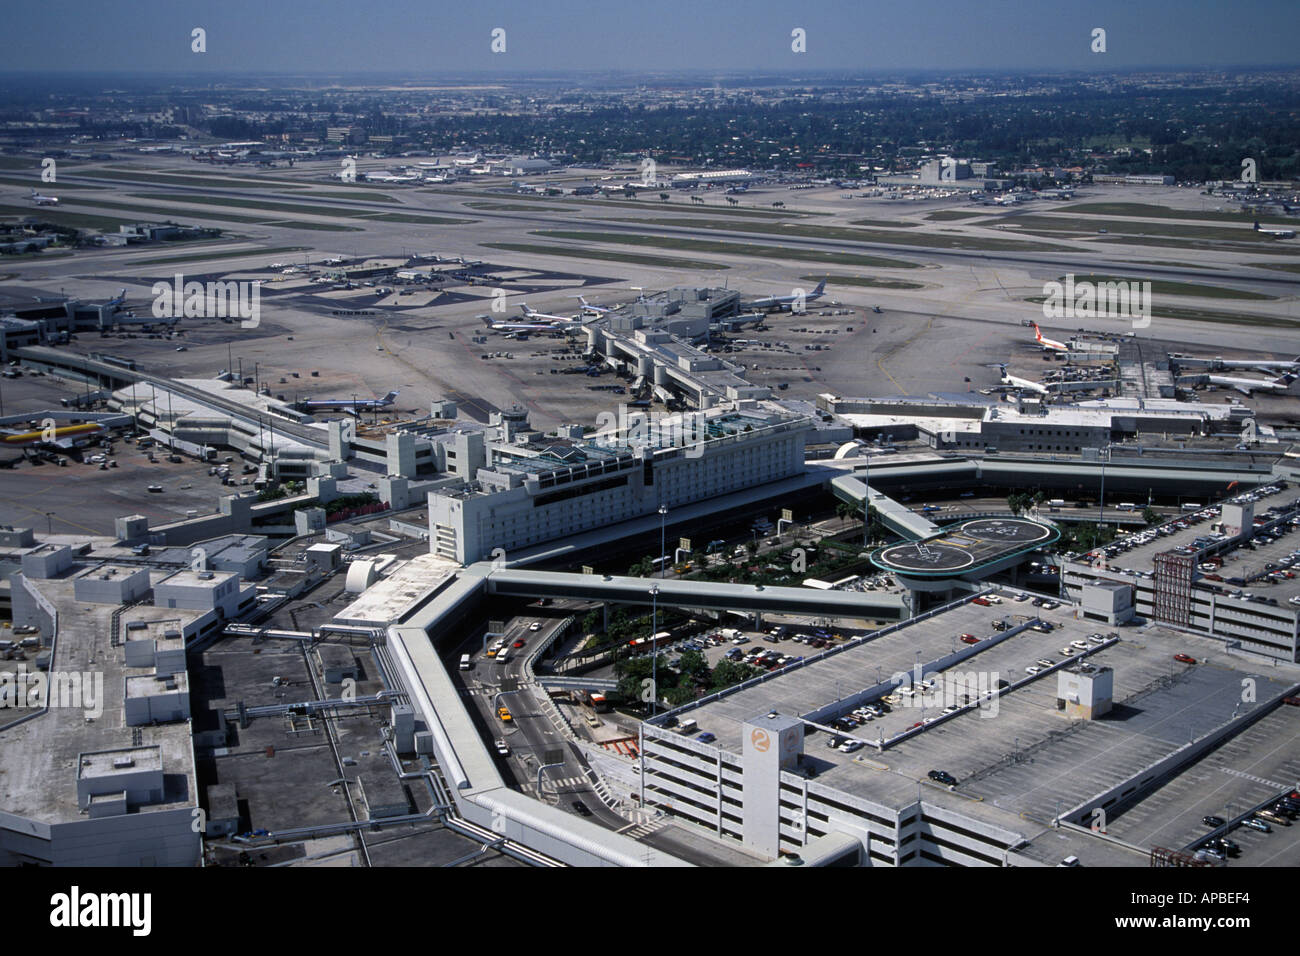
(544, 488)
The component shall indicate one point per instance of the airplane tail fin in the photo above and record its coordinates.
(821, 287)
(1257, 225)
(390, 396)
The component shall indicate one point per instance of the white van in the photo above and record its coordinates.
(687, 726)
(464, 662)
(503, 656)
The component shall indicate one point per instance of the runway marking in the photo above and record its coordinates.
(899, 347)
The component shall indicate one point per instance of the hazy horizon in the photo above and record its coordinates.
(673, 37)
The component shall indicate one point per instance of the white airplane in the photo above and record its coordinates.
(351, 405)
(1248, 385)
(595, 309)
(52, 200)
(787, 302)
(1275, 233)
(513, 328)
(1012, 381)
(554, 321)
(1049, 345)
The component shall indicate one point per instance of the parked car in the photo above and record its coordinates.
(1227, 846)
(706, 737)
(1256, 824)
(1185, 659)
(1213, 821)
(943, 777)
(969, 639)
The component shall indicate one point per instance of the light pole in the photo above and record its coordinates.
(1101, 501)
(866, 504)
(49, 523)
(663, 561)
(654, 650)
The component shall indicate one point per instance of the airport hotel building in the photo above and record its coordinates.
(532, 489)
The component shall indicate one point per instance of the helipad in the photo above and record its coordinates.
(965, 548)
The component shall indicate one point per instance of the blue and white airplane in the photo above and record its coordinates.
(787, 303)
(353, 405)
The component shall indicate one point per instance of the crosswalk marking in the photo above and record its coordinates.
(1250, 776)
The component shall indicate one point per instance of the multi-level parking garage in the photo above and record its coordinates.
(1042, 719)
(1033, 760)
(1224, 571)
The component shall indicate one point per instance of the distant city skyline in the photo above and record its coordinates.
(415, 38)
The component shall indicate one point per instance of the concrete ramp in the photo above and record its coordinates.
(894, 515)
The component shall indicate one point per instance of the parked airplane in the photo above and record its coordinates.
(787, 302)
(556, 321)
(54, 200)
(353, 405)
(117, 302)
(1013, 382)
(1275, 233)
(1248, 385)
(515, 328)
(595, 309)
(1049, 345)
(62, 437)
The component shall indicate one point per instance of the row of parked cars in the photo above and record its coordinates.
(759, 657)
(1070, 650)
(1281, 813)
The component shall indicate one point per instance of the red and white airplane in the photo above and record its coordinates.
(1050, 345)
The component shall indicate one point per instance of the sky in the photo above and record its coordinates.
(428, 37)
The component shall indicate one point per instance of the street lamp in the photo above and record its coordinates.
(49, 522)
(663, 561)
(1101, 501)
(866, 504)
(654, 650)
